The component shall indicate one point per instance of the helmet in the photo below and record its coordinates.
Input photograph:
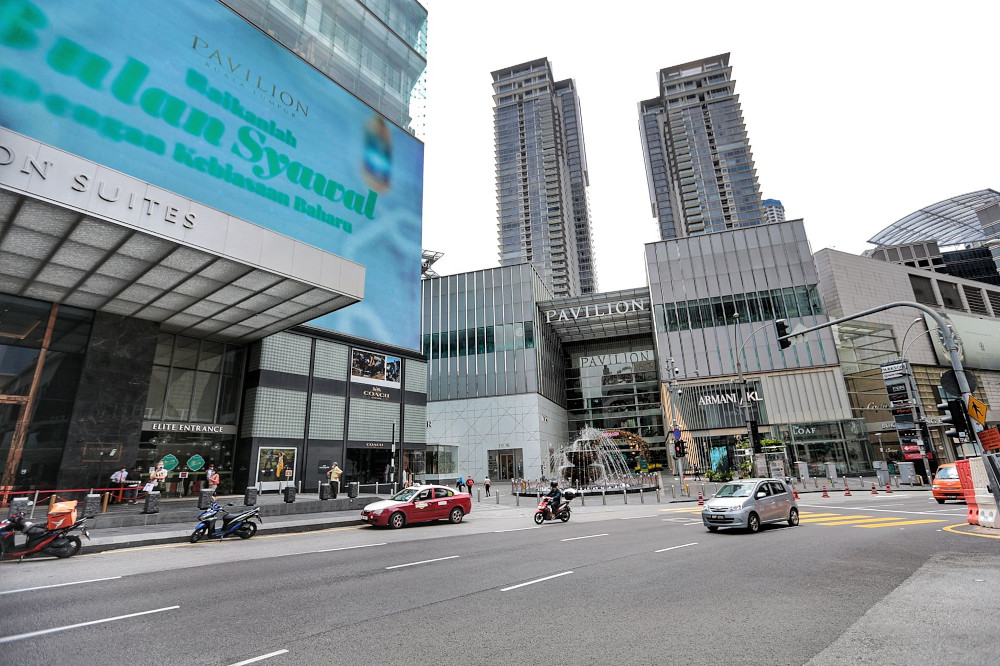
(555, 484)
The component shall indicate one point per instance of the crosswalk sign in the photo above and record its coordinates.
(977, 410)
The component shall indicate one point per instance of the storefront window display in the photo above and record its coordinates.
(186, 457)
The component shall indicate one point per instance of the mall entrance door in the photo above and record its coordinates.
(505, 464)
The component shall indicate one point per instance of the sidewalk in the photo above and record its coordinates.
(125, 526)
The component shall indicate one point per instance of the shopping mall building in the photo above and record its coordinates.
(513, 374)
(209, 249)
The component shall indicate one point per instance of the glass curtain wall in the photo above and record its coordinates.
(41, 361)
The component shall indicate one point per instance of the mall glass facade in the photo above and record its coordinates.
(42, 349)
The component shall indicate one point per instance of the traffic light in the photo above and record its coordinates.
(781, 328)
(680, 449)
(755, 437)
(953, 414)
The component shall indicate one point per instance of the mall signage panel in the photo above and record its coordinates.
(192, 98)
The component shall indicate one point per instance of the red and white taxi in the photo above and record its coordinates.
(418, 504)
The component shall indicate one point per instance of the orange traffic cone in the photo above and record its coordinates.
(847, 489)
(825, 494)
(874, 492)
(795, 492)
(701, 500)
(888, 487)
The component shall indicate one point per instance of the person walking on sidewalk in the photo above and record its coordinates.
(486, 484)
(460, 484)
(334, 476)
(696, 471)
(468, 484)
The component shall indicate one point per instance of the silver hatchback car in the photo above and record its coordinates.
(750, 503)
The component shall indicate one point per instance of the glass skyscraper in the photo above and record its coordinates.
(541, 172)
(698, 162)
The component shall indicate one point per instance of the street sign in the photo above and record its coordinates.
(977, 410)
(990, 439)
(677, 433)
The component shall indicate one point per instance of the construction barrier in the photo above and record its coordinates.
(969, 491)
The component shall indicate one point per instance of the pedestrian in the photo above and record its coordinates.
(486, 484)
(468, 484)
(118, 479)
(460, 484)
(212, 478)
(133, 480)
(334, 476)
(696, 471)
(158, 476)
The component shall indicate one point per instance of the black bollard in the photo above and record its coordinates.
(152, 504)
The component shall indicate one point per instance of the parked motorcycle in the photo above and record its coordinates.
(58, 542)
(562, 512)
(239, 524)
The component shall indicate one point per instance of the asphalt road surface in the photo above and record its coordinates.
(865, 579)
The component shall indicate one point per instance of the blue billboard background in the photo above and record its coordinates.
(190, 97)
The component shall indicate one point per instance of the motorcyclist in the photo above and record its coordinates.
(556, 494)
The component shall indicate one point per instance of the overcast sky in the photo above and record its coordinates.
(858, 113)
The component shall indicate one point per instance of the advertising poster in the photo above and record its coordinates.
(273, 466)
(190, 97)
(373, 368)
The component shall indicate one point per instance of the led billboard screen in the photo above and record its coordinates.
(188, 96)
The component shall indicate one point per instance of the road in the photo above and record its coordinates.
(860, 580)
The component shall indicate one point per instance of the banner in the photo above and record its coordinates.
(190, 97)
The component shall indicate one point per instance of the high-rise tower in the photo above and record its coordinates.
(698, 161)
(541, 170)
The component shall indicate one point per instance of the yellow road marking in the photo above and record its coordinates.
(954, 530)
(807, 514)
(216, 542)
(905, 522)
(857, 521)
(816, 520)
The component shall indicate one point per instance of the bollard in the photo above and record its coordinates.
(625, 494)
(152, 504)
(497, 495)
(18, 505)
(34, 503)
(478, 496)
(91, 505)
(604, 497)
(324, 490)
(583, 499)
(289, 493)
(642, 497)
(673, 492)
(104, 502)
(205, 498)
(250, 497)
(657, 495)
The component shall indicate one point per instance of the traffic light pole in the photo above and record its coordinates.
(949, 340)
(672, 373)
(745, 401)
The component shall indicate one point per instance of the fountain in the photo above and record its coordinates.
(596, 460)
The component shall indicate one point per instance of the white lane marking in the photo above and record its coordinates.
(656, 515)
(260, 658)
(690, 524)
(663, 550)
(413, 564)
(532, 582)
(42, 632)
(367, 545)
(584, 537)
(327, 550)
(45, 587)
(518, 529)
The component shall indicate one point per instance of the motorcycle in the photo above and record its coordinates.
(561, 513)
(39, 540)
(239, 524)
